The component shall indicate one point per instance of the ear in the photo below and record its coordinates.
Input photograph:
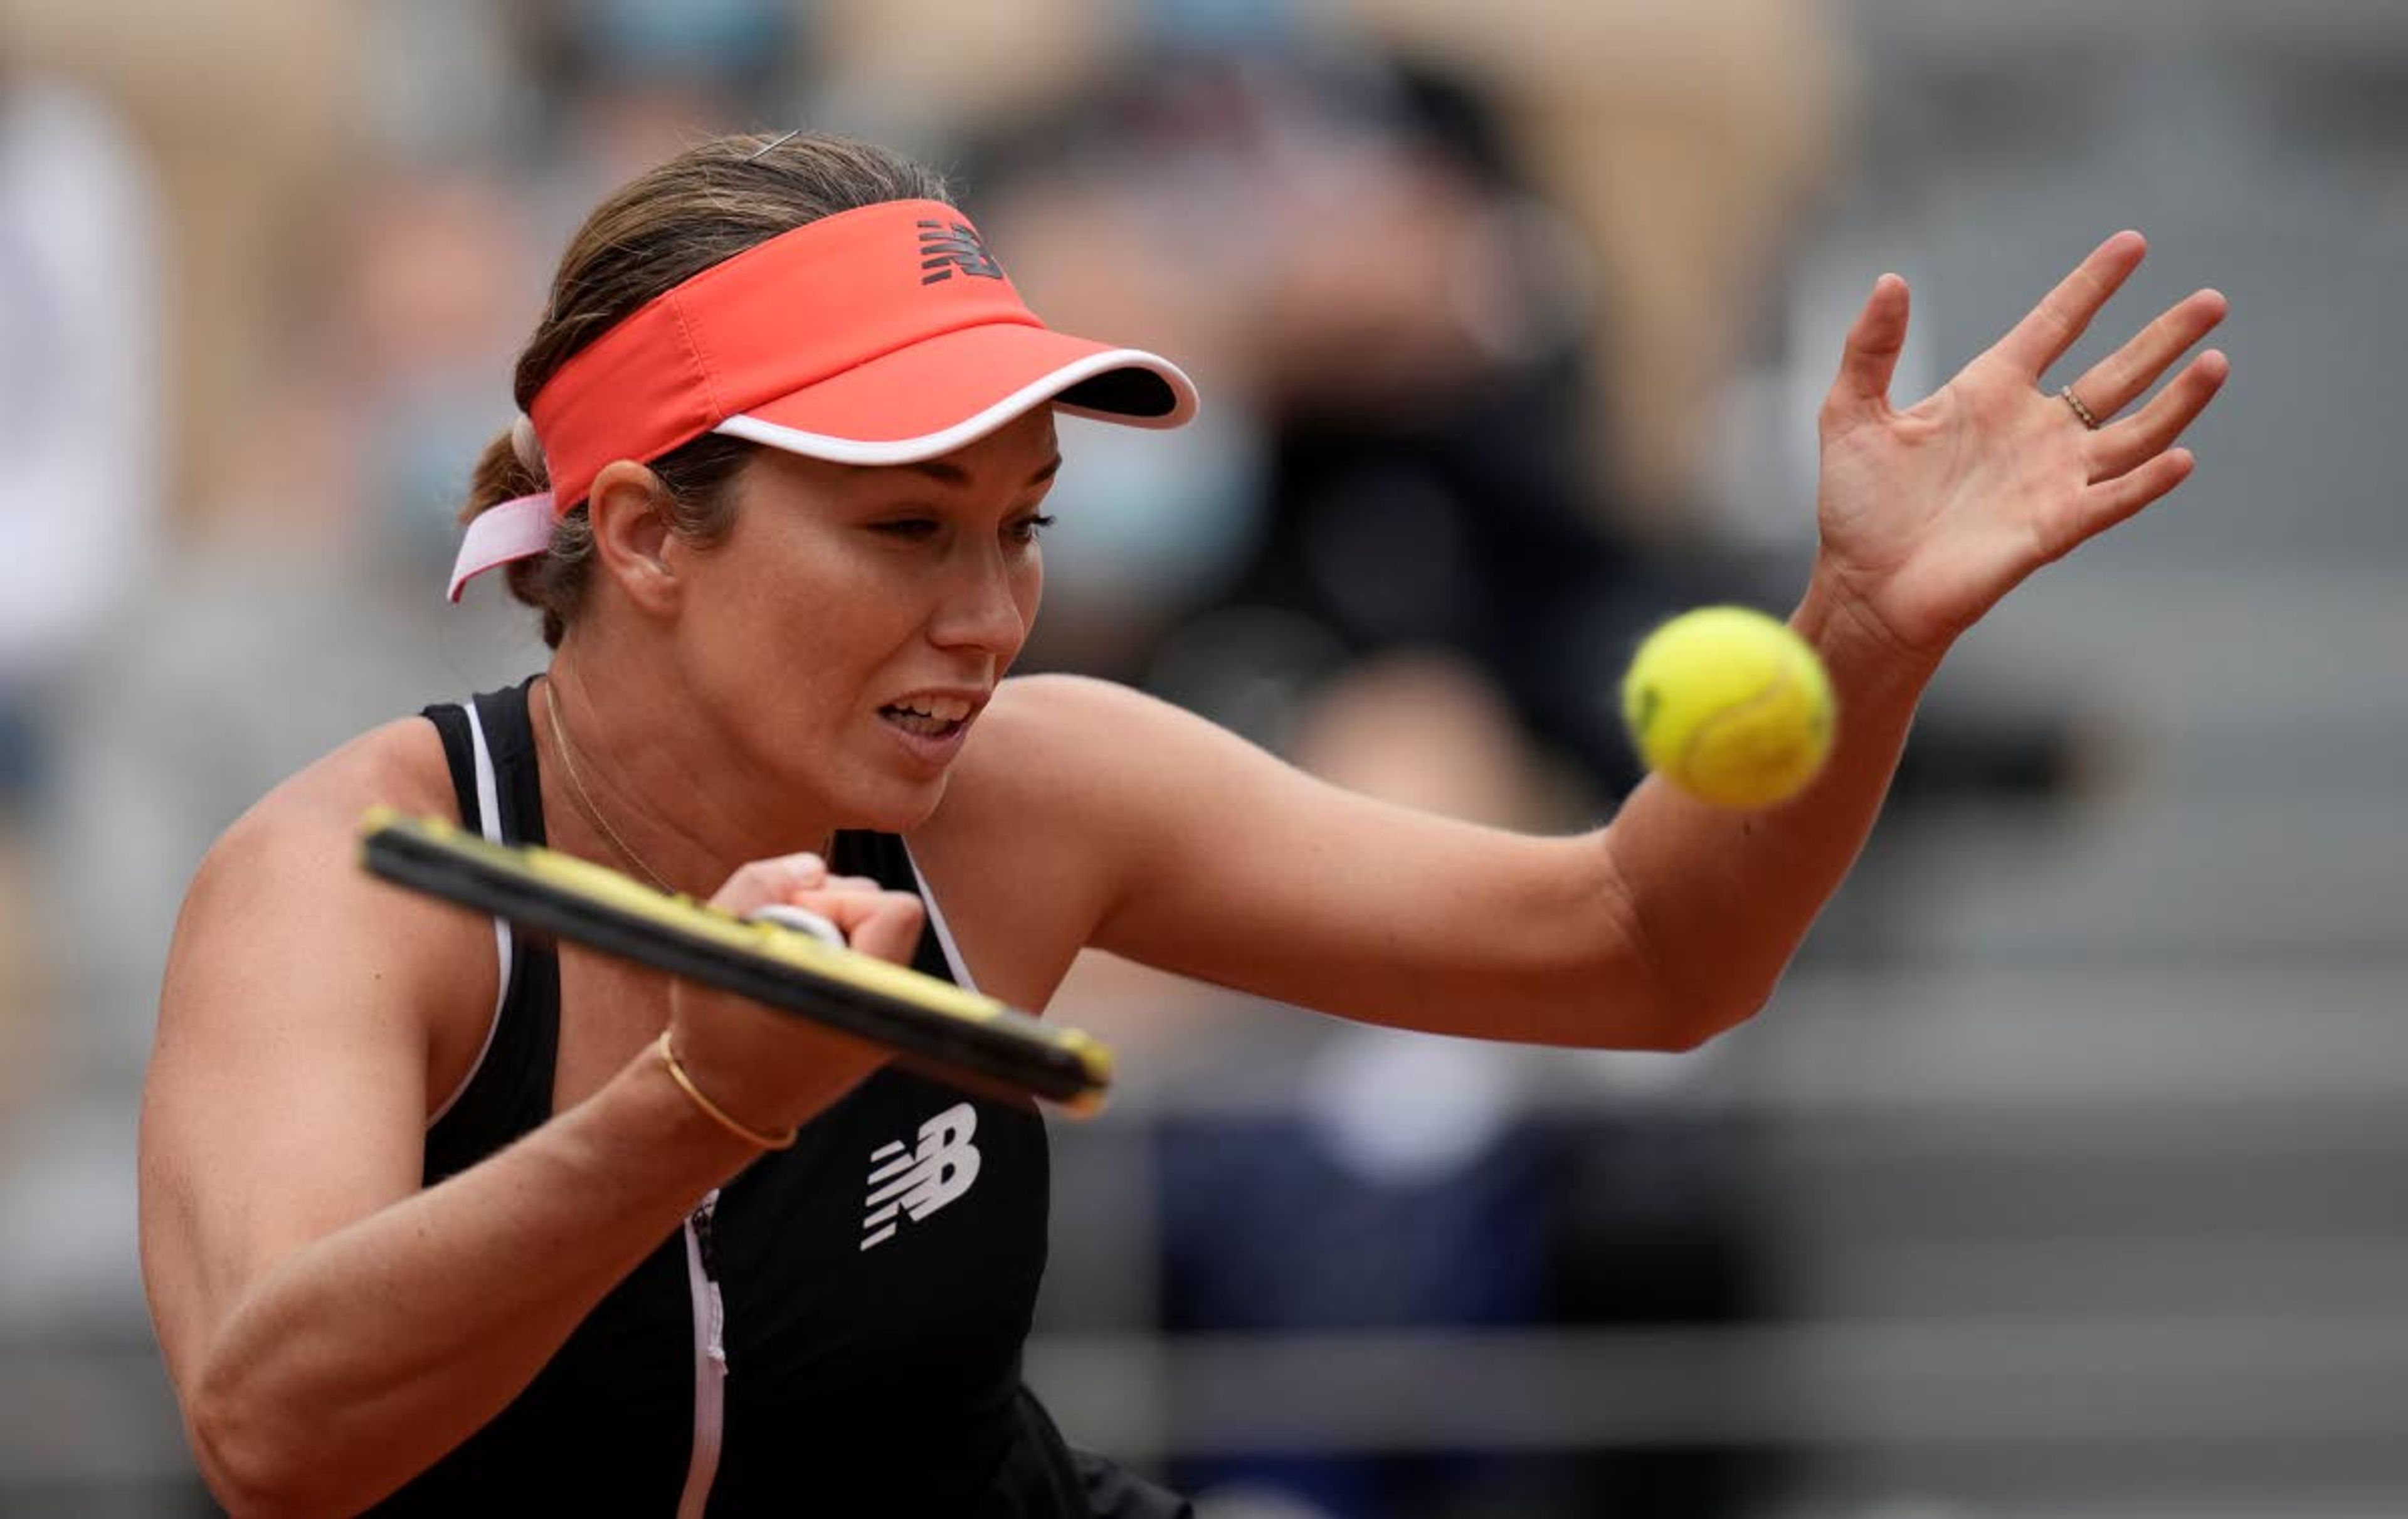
(627, 510)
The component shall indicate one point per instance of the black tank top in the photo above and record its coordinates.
(876, 1280)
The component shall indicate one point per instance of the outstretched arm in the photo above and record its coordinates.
(1928, 516)
(1674, 922)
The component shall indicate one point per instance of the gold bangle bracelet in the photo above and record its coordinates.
(713, 1111)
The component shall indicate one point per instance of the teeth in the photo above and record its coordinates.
(940, 709)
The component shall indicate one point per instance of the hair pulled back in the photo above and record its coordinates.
(702, 208)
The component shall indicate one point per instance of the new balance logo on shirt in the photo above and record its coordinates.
(913, 1183)
(946, 247)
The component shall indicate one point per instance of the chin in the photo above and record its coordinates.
(896, 806)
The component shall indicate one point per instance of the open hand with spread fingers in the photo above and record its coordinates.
(1930, 514)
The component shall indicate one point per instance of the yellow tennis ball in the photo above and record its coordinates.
(1730, 706)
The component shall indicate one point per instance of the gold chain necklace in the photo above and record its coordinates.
(585, 801)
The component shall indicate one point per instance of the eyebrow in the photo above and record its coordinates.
(955, 475)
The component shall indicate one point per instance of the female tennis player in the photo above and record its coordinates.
(436, 1221)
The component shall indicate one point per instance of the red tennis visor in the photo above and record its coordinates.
(882, 335)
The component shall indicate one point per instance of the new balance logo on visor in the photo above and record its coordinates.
(913, 1183)
(945, 247)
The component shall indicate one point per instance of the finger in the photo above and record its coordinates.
(881, 922)
(1870, 358)
(2115, 381)
(855, 885)
(892, 931)
(757, 884)
(2147, 433)
(2042, 337)
(2120, 499)
(846, 908)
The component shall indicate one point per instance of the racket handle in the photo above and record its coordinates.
(802, 920)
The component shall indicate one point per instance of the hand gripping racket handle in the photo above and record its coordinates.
(945, 1031)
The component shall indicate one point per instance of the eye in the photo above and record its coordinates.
(910, 529)
(1028, 529)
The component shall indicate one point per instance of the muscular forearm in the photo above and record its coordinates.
(1722, 898)
(367, 1354)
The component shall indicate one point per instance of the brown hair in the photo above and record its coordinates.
(702, 208)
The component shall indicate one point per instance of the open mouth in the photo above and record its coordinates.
(929, 717)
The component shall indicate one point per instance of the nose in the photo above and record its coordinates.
(987, 605)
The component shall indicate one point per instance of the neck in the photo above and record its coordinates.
(646, 787)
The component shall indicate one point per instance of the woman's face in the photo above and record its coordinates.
(850, 629)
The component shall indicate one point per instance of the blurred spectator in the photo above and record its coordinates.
(923, 77)
(244, 107)
(304, 605)
(1394, 326)
(619, 85)
(742, 51)
(1687, 143)
(81, 402)
(430, 273)
(1392, 565)
(80, 392)
(1414, 1186)
(438, 79)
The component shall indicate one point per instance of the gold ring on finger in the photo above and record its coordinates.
(2089, 418)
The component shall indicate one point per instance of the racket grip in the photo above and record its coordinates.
(802, 920)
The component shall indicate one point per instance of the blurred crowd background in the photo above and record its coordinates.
(2063, 1176)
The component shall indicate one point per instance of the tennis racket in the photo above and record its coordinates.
(942, 1030)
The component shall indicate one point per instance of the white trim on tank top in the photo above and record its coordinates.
(937, 920)
(489, 819)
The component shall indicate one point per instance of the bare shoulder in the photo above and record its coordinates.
(1067, 712)
(1032, 842)
(307, 828)
(281, 897)
(1043, 733)
(400, 762)
(1067, 760)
